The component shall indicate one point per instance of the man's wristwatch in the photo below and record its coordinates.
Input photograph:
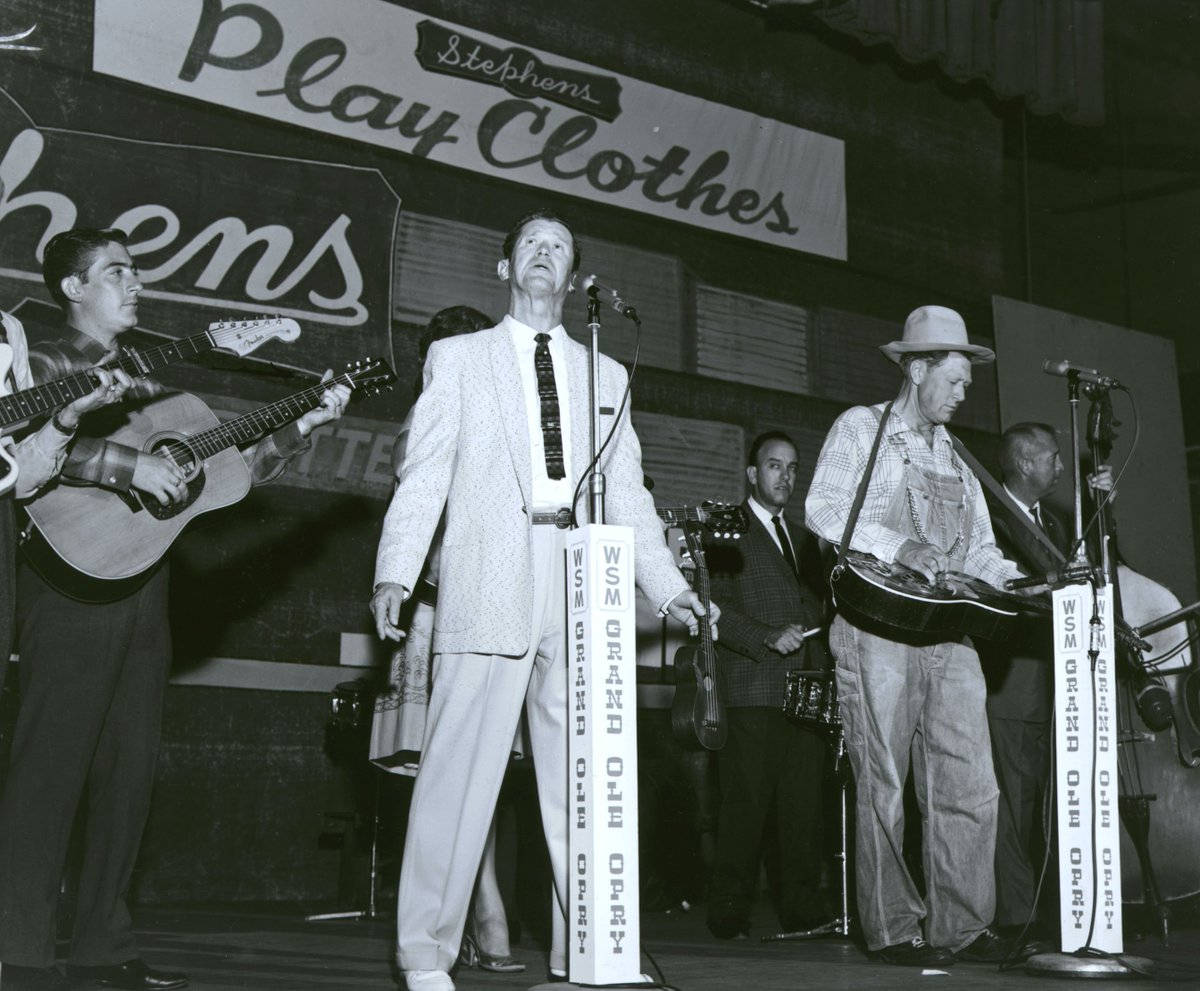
(61, 427)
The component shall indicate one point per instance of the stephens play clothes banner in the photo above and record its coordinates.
(370, 71)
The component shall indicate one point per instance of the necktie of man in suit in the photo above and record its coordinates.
(785, 545)
(548, 397)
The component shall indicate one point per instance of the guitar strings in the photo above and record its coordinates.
(250, 425)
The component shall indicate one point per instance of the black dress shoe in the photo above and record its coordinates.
(14, 978)
(915, 953)
(133, 975)
(987, 947)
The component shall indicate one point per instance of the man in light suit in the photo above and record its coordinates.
(499, 436)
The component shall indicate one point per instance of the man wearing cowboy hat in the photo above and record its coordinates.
(911, 701)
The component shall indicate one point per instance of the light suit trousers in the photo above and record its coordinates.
(474, 707)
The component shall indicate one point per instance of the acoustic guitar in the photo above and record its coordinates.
(239, 337)
(697, 711)
(96, 545)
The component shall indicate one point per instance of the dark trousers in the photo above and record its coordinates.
(1021, 754)
(92, 679)
(8, 552)
(768, 762)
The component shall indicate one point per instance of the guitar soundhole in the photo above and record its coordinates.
(180, 454)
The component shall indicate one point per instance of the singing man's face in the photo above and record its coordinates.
(541, 259)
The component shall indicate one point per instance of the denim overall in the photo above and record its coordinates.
(920, 705)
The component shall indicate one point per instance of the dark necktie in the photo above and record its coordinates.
(785, 545)
(548, 397)
(1037, 516)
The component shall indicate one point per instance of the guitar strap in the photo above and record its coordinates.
(861, 495)
(1033, 541)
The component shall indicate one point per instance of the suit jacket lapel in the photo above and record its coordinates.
(506, 380)
(768, 538)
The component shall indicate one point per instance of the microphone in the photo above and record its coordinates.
(594, 286)
(1066, 575)
(1064, 369)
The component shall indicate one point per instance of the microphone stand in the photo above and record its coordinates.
(596, 481)
(1080, 555)
(1086, 962)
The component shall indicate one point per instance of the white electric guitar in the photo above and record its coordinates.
(237, 336)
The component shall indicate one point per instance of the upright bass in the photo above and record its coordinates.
(1158, 737)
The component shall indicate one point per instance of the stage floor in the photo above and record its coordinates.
(226, 950)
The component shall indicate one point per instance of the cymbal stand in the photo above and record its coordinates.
(839, 926)
(370, 913)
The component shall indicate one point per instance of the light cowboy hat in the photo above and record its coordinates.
(935, 328)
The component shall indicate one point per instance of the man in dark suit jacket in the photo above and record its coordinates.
(769, 586)
(1020, 674)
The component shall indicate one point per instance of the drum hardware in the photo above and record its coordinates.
(810, 699)
(351, 706)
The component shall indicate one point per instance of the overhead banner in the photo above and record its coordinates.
(216, 233)
(370, 71)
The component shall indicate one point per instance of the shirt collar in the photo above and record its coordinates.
(1021, 502)
(761, 511)
(898, 425)
(87, 345)
(523, 335)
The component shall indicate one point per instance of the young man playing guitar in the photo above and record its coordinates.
(93, 676)
(907, 700)
(769, 585)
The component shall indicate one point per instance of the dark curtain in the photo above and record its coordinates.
(1048, 52)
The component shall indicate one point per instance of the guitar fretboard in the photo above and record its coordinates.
(257, 423)
(42, 398)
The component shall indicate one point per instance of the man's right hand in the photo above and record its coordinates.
(787, 640)
(926, 559)
(160, 478)
(385, 607)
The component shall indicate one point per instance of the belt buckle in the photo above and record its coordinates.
(562, 519)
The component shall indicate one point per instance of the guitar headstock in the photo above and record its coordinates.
(243, 336)
(718, 520)
(368, 376)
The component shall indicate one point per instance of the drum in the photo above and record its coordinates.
(351, 705)
(810, 699)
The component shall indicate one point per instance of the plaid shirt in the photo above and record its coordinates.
(39, 454)
(842, 463)
(95, 460)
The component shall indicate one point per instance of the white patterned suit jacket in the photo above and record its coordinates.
(468, 449)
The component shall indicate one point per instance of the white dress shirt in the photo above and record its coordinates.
(765, 515)
(548, 493)
(1031, 511)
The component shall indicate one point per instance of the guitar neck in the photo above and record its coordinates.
(41, 399)
(696, 549)
(258, 423)
(702, 590)
(678, 515)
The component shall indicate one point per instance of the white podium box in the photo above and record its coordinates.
(1089, 849)
(603, 922)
